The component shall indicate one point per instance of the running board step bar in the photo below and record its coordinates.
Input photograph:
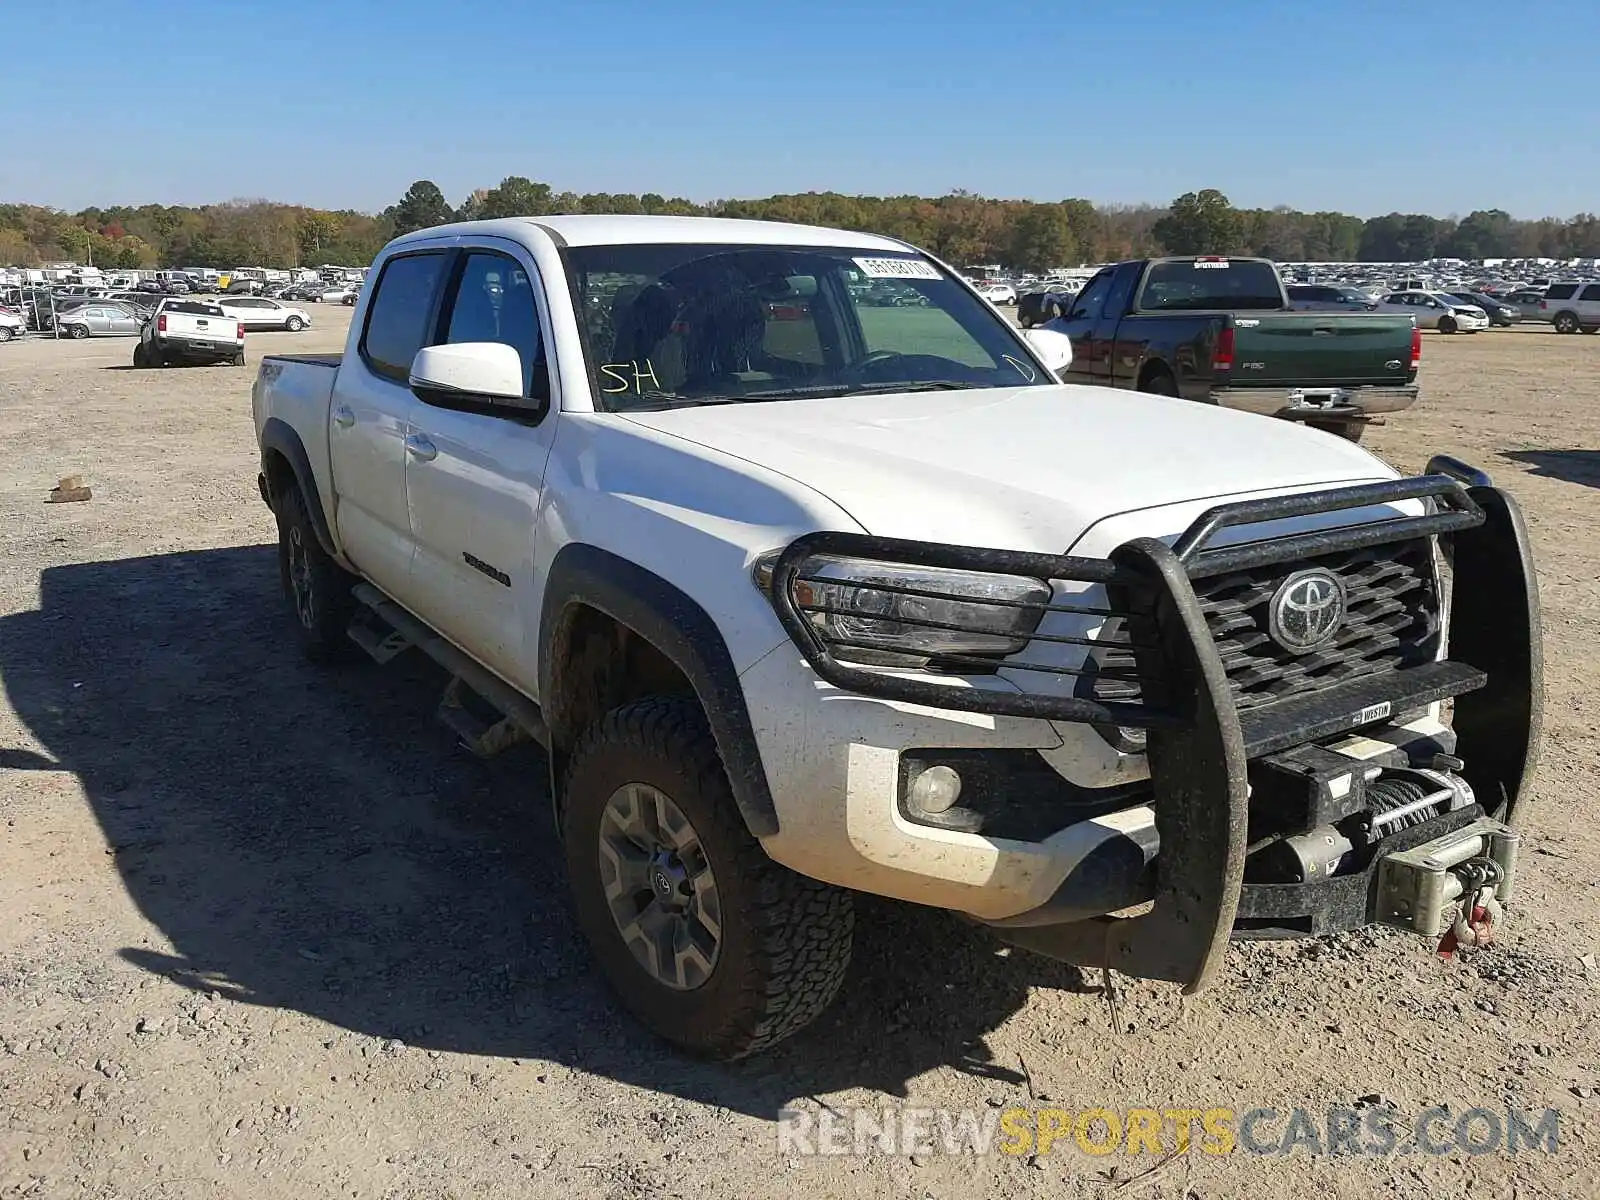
(520, 719)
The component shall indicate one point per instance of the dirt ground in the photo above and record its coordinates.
(265, 933)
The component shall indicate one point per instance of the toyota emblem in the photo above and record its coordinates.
(1306, 610)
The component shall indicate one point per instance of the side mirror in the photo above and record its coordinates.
(468, 371)
(1051, 345)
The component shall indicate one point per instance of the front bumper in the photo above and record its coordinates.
(1201, 747)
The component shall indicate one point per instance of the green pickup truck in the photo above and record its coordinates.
(1219, 330)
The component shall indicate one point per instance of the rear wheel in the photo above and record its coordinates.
(1591, 328)
(1025, 320)
(1566, 322)
(705, 939)
(317, 588)
(1447, 325)
(1351, 431)
(237, 360)
(1160, 383)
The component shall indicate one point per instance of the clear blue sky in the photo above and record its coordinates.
(1357, 105)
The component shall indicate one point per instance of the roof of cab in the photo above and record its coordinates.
(600, 230)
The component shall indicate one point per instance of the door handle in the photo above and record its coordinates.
(343, 417)
(420, 448)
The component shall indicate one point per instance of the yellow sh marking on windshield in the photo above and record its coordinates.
(621, 371)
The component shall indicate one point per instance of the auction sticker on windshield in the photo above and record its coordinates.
(897, 268)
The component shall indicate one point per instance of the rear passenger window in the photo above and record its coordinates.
(1592, 292)
(397, 317)
(1561, 291)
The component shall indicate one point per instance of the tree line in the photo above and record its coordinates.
(961, 227)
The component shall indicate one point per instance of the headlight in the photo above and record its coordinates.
(889, 614)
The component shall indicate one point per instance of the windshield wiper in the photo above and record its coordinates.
(824, 390)
(654, 401)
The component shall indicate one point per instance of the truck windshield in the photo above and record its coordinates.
(682, 324)
(1226, 283)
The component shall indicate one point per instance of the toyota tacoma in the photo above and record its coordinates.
(806, 596)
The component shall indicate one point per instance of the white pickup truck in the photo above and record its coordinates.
(811, 580)
(189, 331)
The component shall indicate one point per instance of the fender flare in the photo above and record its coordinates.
(662, 614)
(278, 435)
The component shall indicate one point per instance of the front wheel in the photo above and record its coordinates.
(78, 332)
(6, 333)
(705, 939)
(1447, 324)
(294, 324)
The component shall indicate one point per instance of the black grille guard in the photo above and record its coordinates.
(1199, 745)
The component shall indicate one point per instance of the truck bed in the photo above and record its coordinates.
(310, 360)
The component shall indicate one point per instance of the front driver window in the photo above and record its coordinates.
(494, 303)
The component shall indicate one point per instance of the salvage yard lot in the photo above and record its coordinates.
(264, 933)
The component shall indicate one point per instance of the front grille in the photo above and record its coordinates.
(1392, 621)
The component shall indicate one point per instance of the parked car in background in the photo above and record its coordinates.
(1572, 307)
(1436, 310)
(1037, 305)
(1317, 297)
(1498, 311)
(998, 293)
(259, 312)
(1527, 302)
(193, 331)
(100, 319)
(331, 293)
(12, 325)
(351, 295)
(302, 291)
(140, 300)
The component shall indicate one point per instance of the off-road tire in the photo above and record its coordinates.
(322, 622)
(785, 939)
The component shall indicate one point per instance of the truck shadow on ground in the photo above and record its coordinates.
(1573, 466)
(309, 840)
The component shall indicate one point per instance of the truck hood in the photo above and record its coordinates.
(1018, 468)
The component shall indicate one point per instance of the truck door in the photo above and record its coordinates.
(476, 474)
(1079, 324)
(371, 419)
(1119, 345)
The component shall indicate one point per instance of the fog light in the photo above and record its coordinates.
(935, 790)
